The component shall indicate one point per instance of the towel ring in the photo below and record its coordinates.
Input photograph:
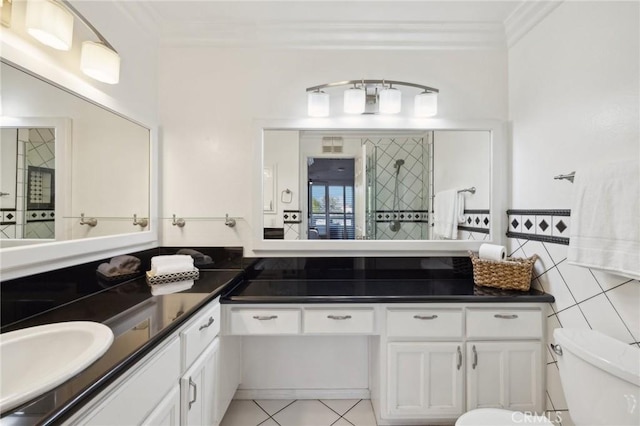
(286, 196)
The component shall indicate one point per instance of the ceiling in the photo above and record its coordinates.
(343, 24)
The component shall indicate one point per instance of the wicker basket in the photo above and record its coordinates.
(509, 274)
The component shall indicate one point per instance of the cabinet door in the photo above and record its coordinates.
(197, 388)
(167, 412)
(504, 375)
(425, 380)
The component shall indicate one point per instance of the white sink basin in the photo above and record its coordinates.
(37, 359)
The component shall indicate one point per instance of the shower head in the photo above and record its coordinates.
(398, 163)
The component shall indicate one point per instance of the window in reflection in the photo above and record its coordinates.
(331, 199)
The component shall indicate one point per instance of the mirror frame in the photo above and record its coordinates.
(16, 262)
(497, 205)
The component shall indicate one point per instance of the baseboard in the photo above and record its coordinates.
(302, 394)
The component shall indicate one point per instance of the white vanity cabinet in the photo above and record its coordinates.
(198, 389)
(176, 384)
(437, 361)
(425, 379)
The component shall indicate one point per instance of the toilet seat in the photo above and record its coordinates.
(500, 417)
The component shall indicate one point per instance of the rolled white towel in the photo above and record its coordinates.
(170, 264)
(168, 288)
(108, 270)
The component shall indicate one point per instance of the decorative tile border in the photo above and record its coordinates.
(421, 216)
(40, 215)
(476, 221)
(292, 216)
(8, 217)
(550, 226)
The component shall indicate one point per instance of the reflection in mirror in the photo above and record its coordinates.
(377, 184)
(104, 172)
(27, 195)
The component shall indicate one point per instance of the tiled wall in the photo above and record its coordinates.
(585, 298)
(413, 184)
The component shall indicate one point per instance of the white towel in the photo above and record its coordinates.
(170, 264)
(605, 219)
(168, 288)
(448, 211)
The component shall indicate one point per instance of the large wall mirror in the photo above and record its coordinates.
(397, 187)
(71, 169)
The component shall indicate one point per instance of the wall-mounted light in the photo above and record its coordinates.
(51, 23)
(372, 97)
(318, 103)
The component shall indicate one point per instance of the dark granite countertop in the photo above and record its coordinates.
(377, 291)
(139, 321)
(370, 280)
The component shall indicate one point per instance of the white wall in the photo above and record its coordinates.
(574, 103)
(210, 97)
(573, 98)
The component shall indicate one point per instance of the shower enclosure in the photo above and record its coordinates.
(398, 187)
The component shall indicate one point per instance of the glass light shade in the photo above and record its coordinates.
(390, 101)
(50, 23)
(317, 104)
(426, 104)
(354, 100)
(99, 62)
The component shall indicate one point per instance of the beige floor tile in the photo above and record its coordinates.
(340, 406)
(361, 414)
(272, 406)
(306, 413)
(243, 413)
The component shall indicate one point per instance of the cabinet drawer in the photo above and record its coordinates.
(424, 323)
(200, 333)
(339, 321)
(507, 323)
(265, 321)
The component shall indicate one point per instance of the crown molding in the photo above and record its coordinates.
(528, 14)
(340, 35)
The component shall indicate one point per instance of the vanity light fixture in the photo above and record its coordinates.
(51, 23)
(372, 97)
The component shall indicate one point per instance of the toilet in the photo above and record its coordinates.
(601, 381)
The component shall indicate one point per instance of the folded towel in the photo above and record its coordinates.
(170, 264)
(199, 259)
(605, 219)
(446, 212)
(168, 288)
(126, 264)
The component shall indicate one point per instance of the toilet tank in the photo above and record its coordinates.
(600, 377)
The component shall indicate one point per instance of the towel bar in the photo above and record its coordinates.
(471, 190)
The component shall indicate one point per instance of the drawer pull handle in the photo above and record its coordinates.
(202, 327)
(475, 357)
(339, 317)
(425, 317)
(195, 392)
(459, 358)
(265, 317)
(505, 316)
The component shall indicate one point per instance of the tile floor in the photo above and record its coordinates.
(308, 412)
